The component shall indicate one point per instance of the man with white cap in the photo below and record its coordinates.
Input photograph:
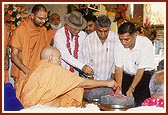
(69, 39)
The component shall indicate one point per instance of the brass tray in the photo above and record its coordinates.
(106, 107)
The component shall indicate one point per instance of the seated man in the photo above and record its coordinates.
(52, 85)
(156, 102)
(156, 87)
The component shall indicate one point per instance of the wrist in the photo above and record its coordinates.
(132, 88)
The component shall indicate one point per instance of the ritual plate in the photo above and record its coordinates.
(106, 107)
(91, 100)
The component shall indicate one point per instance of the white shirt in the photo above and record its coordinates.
(67, 58)
(157, 46)
(141, 56)
(100, 56)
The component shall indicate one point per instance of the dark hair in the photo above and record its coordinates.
(154, 33)
(140, 29)
(38, 7)
(127, 27)
(103, 21)
(90, 18)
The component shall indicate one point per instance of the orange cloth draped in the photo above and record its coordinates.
(6, 77)
(29, 40)
(48, 83)
(51, 34)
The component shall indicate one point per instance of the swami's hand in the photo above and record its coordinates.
(88, 70)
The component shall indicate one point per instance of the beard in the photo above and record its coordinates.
(38, 24)
(55, 27)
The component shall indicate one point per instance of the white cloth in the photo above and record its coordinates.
(141, 56)
(67, 58)
(146, 109)
(100, 56)
(46, 109)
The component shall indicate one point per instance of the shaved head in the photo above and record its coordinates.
(38, 7)
(51, 54)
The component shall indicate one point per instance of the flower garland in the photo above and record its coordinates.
(75, 53)
(153, 102)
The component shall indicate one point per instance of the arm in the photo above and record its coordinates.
(60, 44)
(87, 58)
(135, 82)
(16, 60)
(87, 83)
(118, 77)
(6, 61)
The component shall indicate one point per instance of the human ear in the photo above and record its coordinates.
(32, 16)
(50, 58)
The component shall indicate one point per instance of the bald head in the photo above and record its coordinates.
(51, 54)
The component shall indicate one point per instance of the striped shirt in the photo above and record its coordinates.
(100, 56)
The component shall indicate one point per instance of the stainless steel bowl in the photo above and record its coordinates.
(106, 107)
(92, 100)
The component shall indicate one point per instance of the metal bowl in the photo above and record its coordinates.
(92, 100)
(106, 107)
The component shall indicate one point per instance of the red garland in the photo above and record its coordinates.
(153, 102)
(68, 45)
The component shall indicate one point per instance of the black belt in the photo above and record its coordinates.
(151, 72)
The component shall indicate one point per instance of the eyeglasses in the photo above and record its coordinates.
(41, 18)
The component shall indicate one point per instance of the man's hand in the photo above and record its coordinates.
(112, 83)
(88, 70)
(117, 90)
(129, 92)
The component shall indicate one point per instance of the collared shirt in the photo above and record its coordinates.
(100, 56)
(141, 56)
(67, 58)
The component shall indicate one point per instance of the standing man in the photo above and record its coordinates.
(134, 61)
(91, 19)
(157, 44)
(98, 49)
(55, 21)
(69, 41)
(26, 43)
(55, 24)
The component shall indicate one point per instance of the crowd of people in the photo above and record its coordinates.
(53, 67)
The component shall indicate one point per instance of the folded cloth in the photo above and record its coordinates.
(11, 103)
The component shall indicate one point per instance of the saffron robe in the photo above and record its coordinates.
(6, 77)
(51, 34)
(29, 40)
(48, 83)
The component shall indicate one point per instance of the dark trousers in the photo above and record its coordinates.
(142, 91)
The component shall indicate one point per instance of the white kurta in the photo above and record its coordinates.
(67, 58)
